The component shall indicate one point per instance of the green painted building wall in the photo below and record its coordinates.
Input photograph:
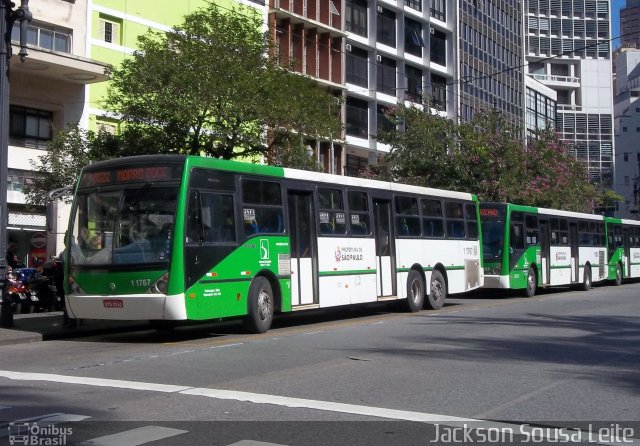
(131, 18)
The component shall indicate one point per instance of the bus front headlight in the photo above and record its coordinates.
(160, 285)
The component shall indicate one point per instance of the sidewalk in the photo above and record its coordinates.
(49, 326)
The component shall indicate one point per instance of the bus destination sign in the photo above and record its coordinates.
(131, 174)
(491, 212)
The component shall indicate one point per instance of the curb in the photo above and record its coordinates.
(19, 337)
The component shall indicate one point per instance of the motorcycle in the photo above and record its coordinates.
(18, 293)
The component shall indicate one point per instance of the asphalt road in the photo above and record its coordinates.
(557, 365)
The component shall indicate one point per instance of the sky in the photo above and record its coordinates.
(615, 20)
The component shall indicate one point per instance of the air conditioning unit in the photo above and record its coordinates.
(379, 58)
(348, 47)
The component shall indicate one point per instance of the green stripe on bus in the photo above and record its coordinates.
(347, 273)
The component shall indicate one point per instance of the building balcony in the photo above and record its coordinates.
(58, 66)
(552, 80)
(329, 22)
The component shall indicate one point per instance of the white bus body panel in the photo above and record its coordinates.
(596, 257)
(560, 264)
(460, 258)
(634, 260)
(347, 271)
(134, 307)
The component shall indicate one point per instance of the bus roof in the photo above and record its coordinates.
(274, 171)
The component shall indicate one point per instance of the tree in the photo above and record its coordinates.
(68, 152)
(212, 87)
(485, 156)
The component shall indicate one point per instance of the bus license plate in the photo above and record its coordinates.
(112, 303)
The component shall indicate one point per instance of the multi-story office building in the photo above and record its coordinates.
(630, 25)
(311, 32)
(627, 132)
(396, 51)
(491, 59)
(568, 50)
(47, 91)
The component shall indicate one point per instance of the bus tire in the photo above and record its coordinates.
(532, 283)
(438, 291)
(586, 283)
(259, 306)
(618, 279)
(415, 292)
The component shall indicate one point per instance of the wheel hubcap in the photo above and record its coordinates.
(415, 291)
(436, 290)
(264, 305)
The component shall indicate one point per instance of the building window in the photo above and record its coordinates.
(356, 17)
(355, 165)
(45, 37)
(386, 27)
(357, 118)
(413, 42)
(387, 76)
(357, 66)
(438, 10)
(414, 83)
(384, 123)
(626, 156)
(414, 4)
(438, 46)
(109, 31)
(438, 92)
(30, 123)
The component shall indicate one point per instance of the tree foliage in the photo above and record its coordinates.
(68, 152)
(485, 156)
(212, 88)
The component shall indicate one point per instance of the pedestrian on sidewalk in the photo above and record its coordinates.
(12, 255)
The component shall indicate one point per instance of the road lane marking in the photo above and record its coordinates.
(290, 402)
(134, 437)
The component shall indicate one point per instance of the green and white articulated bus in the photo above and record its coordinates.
(623, 248)
(174, 238)
(527, 247)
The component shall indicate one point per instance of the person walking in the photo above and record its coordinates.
(11, 255)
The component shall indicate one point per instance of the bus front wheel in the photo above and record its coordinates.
(259, 306)
(618, 275)
(532, 283)
(415, 291)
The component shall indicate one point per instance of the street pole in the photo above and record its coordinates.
(8, 16)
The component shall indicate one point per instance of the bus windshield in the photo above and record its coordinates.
(130, 226)
(492, 239)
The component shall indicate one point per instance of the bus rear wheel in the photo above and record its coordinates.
(415, 291)
(586, 284)
(618, 275)
(532, 283)
(438, 292)
(259, 306)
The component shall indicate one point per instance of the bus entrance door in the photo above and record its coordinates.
(385, 283)
(626, 240)
(575, 252)
(545, 248)
(302, 232)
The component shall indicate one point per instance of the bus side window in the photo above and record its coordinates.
(454, 220)
(532, 229)
(193, 218)
(517, 236)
